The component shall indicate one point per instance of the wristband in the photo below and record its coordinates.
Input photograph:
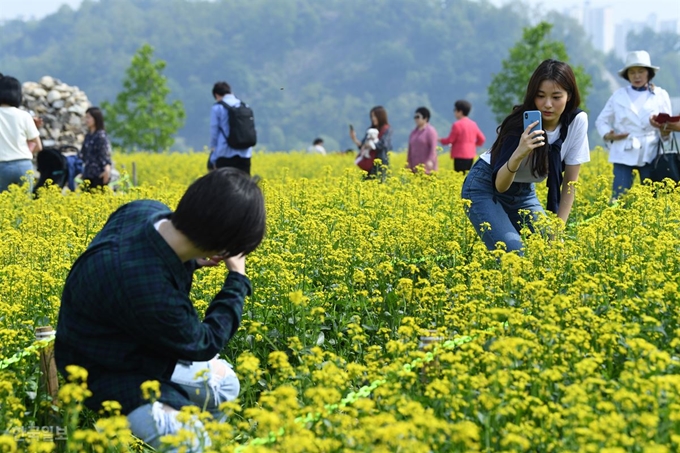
(507, 164)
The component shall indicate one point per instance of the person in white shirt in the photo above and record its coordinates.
(317, 147)
(19, 137)
(624, 123)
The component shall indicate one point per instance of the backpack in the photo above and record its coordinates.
(242, 134)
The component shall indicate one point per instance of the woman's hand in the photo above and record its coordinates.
(611, 136)
(233, 263)
(353, 136)
(529, 142)
(665, 128)
(236, 264)
(105, 176)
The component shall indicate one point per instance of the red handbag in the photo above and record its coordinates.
(366, 163)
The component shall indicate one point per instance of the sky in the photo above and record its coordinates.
(634, 10)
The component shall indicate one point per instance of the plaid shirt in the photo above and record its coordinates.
(126, 316)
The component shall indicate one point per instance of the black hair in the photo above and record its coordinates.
(561, 74)
(650, 74)
(10, 91)
(424, 112)
(96, 113)
(222, 211)
(463, 107)
(318, 141)
(221, 88)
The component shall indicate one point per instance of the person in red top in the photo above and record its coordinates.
(464, 137)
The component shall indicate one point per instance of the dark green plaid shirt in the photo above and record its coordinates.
(126, 316)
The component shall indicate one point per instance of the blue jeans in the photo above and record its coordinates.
(495, 215)
(150, 422)
(12, 171)
(623, 179)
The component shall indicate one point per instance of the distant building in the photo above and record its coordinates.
(599, 25)
(621, 33)
(671, 26)
(606, 36)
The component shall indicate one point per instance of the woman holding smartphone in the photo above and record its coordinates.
(500, 184)
(378, 121)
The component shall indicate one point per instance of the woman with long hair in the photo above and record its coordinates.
(378, 121)
(96, 150)
(500, 186)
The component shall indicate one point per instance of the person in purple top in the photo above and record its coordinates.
(422, 143)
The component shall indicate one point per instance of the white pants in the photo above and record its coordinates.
(207, 388)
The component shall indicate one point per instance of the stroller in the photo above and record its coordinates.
(60, 164)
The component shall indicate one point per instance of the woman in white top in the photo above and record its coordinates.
(624, 123)
(19, 137)
(500, 185)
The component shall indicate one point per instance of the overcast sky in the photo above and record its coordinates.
(634, 10)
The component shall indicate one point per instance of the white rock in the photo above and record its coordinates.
(58, 104)
(78, 110)
(29, 86)
(53, 95)
(39, 92)
(47, 82)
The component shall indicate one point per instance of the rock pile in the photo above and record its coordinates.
(61, 107)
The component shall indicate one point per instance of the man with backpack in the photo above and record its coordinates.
(232, 131)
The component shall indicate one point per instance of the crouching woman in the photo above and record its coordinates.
(500, 186)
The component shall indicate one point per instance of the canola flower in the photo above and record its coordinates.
(576, 344)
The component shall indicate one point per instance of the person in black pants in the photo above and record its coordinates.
(221, 154)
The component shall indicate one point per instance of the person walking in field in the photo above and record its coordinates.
(317, 147)
(96, 150)
(465, 137)
(232, 131)
(422, 143)
(19, 136)
(500, 185)
(624, 122)
(126, 316)
(378, 116)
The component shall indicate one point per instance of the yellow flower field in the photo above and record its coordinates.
(573, 347)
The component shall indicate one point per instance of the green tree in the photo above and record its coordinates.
(508, 87)
(141, 118)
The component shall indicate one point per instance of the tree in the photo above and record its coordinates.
(508, 87)
(141, 118)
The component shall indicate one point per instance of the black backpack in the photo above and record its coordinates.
(242, 134)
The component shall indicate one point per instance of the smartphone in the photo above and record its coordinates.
(351, 128)
(531, 116)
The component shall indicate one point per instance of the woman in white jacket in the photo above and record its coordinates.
(624, 123)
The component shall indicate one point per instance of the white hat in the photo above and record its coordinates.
(637, 58)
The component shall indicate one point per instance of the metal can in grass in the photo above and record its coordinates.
(430, 362)
(430, 338)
